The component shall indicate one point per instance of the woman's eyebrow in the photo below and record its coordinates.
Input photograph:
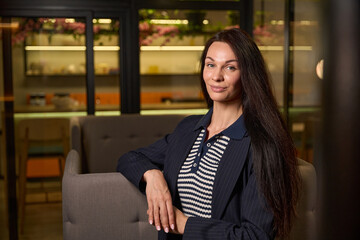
(228, 61)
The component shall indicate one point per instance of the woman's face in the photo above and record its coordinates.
(222, 74)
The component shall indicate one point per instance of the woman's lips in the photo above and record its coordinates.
(217, 89)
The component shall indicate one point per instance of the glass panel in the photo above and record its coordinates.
(49, 87)
(307, 84)
(171, 44)
(106, 54)
(49, 55)
(307, 53)
(3, 207)
(269, 35)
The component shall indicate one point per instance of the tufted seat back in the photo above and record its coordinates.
(101, 140)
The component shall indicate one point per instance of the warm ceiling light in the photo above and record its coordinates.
(205, 22)
(320, 69)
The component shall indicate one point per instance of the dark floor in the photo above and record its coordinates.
(43, 218)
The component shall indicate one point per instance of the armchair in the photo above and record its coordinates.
(99, 203)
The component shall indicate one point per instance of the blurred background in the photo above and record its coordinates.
(61, 59)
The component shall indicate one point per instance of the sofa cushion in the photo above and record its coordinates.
(105, 139)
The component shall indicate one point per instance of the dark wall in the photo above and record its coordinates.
(65, 4)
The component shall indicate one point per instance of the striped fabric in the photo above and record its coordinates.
(197, 175)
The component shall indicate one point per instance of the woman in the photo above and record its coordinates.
(232, 173)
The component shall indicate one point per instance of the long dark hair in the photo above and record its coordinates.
(273, 151)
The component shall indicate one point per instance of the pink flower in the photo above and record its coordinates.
(96, 29)
(144, 26)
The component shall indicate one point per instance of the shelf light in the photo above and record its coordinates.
(13, 25)
(106, 48)
(277, 22)
(70, 20)
(281, 48)
(70, 48)
(169, 21)
(102, 21)
(153, 48)
(271, 48)
(55, 48)
(172, 48)
(301, 48)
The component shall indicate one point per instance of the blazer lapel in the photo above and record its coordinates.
(228, 172)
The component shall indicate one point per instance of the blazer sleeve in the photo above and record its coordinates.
(256, 220)
(135, 163)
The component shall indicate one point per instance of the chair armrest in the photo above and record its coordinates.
(75, 133)
(305, 222)
(308, 185)
(102, 206)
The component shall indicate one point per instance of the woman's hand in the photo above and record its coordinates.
(180, 220)
(160, 208)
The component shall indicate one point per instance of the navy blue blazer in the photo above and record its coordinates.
(239, 210)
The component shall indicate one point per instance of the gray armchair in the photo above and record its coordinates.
(102, 206)
(99, 203)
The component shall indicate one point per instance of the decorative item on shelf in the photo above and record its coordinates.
(65, 26)
(62, 101)
(36, 68)
(149, 31)
(102, 68)
(153, 69)
(37, 99)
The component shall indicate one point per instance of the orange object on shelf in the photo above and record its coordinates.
(114, 98)
(38, 167)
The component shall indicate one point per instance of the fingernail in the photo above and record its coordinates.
(172, 226)
(151, 222)
(166, 230)
(158, 228)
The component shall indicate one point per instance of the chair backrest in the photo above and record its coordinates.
(101, 140)
(44, 128)
(44, 132)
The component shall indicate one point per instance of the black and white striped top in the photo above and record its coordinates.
(197, 175)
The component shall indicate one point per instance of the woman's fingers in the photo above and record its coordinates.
(157, 218)
(150, 213)
(161, 215)
(170, 211)
(164, 217)
(160, 210)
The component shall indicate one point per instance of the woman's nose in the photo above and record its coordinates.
(217, 75)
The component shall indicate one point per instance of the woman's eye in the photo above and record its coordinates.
(210, 65)
(231, 68)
